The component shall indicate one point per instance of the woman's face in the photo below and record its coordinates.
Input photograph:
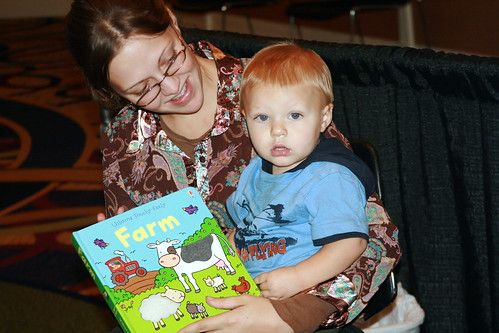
(141, 65)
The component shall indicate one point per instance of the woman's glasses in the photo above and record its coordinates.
(174, 64)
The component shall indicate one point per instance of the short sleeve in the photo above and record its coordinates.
(337, 205)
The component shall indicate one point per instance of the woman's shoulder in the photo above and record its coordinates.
(229, 73)
(210, 51)
(128, 129)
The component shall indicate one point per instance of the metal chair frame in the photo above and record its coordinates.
(220, 6)
(388, 289)
(352, 8)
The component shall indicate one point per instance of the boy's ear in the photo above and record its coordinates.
(327, 116)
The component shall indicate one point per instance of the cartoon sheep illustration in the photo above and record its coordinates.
(160, 306)
(196, 310)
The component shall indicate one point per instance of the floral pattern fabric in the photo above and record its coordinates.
(141, 163)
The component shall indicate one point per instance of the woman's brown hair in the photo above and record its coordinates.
(97, 29)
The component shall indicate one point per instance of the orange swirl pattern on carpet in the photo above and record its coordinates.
(50, 171)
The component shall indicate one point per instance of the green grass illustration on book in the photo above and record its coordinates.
(155, 264)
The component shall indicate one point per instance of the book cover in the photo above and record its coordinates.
(155, 264)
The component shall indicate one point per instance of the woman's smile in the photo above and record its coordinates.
(183, 96)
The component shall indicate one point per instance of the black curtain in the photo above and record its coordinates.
(434, 120)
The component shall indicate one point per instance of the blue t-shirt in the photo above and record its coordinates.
(286, 218)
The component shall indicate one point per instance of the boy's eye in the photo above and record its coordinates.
(261, 117)
(295, 115)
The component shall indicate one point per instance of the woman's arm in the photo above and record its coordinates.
(369, 271)
(116, 200)
(301, 313)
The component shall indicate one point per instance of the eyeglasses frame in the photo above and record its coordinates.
(171, 61)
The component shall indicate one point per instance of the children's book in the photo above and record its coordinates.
(155, 264)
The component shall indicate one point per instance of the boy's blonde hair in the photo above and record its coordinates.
(287, 64)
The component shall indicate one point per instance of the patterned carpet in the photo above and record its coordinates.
(50, 177)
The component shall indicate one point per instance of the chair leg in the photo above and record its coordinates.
(426, 36)
(294, 29)
(224, 9)
(352, 25)
(250, 24)
(224, 17)
(355, 27)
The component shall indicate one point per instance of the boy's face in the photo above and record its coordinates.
(284, 123)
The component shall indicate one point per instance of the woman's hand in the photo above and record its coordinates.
(250, 314)
(101, 216)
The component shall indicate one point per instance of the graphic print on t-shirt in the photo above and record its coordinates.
(253, 243)
(275, 214)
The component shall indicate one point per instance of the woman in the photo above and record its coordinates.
(179, 125)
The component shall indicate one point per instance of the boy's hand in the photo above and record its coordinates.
(280, 283)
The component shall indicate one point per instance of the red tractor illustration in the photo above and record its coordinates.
(122, 270)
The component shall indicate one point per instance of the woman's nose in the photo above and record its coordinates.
(169, 85)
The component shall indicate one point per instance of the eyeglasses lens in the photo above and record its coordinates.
(174, 66)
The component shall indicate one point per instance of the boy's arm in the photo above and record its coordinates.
(329, 261)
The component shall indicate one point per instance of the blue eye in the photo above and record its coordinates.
(296, 116)
(262, 117)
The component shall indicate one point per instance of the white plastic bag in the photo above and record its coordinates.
(405, 315)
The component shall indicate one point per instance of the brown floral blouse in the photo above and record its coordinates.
(142, 163)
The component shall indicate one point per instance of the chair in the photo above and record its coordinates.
(388, 289)
(328, 9)
(219, 6)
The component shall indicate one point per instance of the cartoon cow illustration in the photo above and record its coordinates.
(193, 257)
